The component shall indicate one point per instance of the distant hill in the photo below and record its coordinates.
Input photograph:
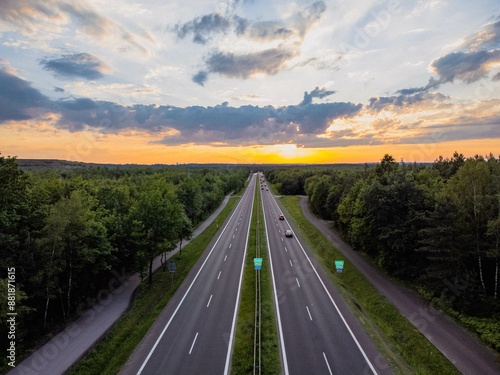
(35, 164)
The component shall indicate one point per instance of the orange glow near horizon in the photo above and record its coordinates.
(137, 147)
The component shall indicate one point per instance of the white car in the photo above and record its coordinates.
(288, 233)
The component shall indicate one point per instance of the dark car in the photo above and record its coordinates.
(282, 217)
(288, 233)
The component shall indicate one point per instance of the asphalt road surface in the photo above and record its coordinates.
(318, 334)
(194, 334)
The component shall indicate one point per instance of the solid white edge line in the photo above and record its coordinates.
(327, 364)
(235, 315)
(192, 345)
(208, 304)
(334, 304)
(185, 294)
(310, 317)
(276, 304)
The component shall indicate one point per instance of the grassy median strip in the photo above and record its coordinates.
(114, 349)
(242, 362)
(405, 348)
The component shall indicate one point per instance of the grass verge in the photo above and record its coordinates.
(242, 362)
(114, 349)
(405, 348)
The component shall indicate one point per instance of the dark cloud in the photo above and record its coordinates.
(81, 65)
(205, 125)
(223, 125)
(269, 61)
(316, 93)
(59, 89)
(18, 99)
(473, 62)
(475, 59)
(202, 27)
(382, 102)
(250, 124)
(465, 66)
(293, 26)
(200, 78)
(240, 25)
(433, 83)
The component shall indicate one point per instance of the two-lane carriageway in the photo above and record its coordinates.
(194, 333)
(318, 334)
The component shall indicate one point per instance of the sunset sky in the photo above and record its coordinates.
(248, 81)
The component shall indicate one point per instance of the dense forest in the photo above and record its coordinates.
(435, 228)
(70, 233)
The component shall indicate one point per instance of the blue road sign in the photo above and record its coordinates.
(171, 267)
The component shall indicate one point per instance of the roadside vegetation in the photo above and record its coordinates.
(114, 349)
(434, 228)
(243, 354)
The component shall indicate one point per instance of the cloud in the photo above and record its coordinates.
(32, 16)
(200, 78)
(269, 61)
(59, 89)
(303, 20)
(421, 98)
(203, 26)
(293, 26)
(486, 38)
(433, 83)
(17, 98)
(235, 125)
(241, 24)
(316, 93)
(269, 30)
(306, 124)
(473, 61)
(465, 66)
(475, 58)
(81, 65)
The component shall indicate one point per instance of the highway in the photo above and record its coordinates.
(318, 334)
(194, 333)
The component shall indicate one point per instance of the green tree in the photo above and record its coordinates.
(157, 217)
(469, 189)
(76, 239)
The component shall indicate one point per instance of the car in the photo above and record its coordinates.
(267, 189)
(282, 217)
(288, 233)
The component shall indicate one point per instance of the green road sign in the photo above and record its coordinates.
(339, 264)
(257, 263)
